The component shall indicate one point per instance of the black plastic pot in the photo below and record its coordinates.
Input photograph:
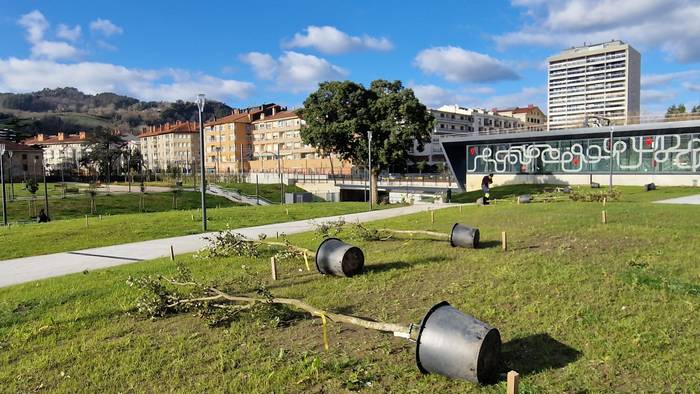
(456, 345)
(524, 199)
(335, 257)
(595, 185)
(464, 237)
(650, 186)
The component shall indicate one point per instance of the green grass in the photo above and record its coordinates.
(54, 189)
(77, 206)
(71, 234)
(581, 307)
(270, 192)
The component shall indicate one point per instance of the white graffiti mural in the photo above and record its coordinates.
(629, 154)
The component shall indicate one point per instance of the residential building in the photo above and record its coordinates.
(453, 119)
(228, 140)
(531, 116)
(63, 151)
(601, 80)
(21, 161)
(279, 135)
(170, 145)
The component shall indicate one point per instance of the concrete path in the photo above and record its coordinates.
(695, 200)
(236, 197)
(27, 269)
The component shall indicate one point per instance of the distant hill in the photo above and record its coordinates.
(68, 109)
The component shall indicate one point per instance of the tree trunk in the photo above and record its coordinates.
(374, 193)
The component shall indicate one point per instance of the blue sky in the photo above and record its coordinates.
(481, 54)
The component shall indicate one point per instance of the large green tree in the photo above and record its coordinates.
(340, 115)
(103, 153)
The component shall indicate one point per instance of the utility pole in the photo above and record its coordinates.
(2, 181)
(46, 188)
(369, 175)
(12, 183)
(279, 169)
(200, 107)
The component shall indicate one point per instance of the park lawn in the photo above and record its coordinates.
(628, 193)
(77, 206)
(53, 188)
(72, 234)
(270, 191)
(581, 306)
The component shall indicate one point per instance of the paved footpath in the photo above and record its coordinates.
(694, 200)
(27, 269)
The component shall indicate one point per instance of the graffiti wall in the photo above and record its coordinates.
(675, 153)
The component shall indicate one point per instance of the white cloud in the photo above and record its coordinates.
(263, 65)
(693, 87)
(666, 24)
(54, 50)
(36, 25)
(105, 27)
(328, 39)
(68, 33)
(478, 97)
(26, 75)
(650, 96)
(293, 72)
(435, 96)
(456, 64)
(649, 80)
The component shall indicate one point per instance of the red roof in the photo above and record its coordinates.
(279, 115)
(16, 147)
(169, 128)
(61, 138)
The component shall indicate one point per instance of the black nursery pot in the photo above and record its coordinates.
(464, 237)
(335, 257)
(457, 345)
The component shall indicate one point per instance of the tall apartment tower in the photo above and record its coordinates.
(601, 79)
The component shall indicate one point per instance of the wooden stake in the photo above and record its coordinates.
(306, 261)
(287, 210)
(605, 199)
(605, 217)
(100, 217)
(273, 263)
(432, 216)
(192, 216)
(513, 382)
(460, 209)
(504, 241)
(172, 253)
(86, 221)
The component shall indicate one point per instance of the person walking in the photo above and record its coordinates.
(486, 181)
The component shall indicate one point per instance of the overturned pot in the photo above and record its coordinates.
(464, 237)
(335, 257)
(457, 345)
(650, 186)
(524, 199)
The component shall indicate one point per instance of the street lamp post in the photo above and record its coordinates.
(12, 183)
(279, 170)
(2, 181)
(369, 175)
(200, 106)
(46, 188)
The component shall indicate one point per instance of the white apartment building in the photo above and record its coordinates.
(453, 119)
(62, 152)
(601, 79)
(170, 145)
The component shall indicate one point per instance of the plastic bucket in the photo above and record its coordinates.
(335, 257)
(650, 186)
(456, 345)
(464, 237)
